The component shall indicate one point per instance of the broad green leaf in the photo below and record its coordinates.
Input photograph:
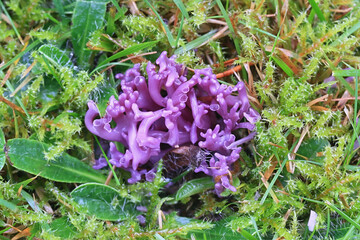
(49, 91)
(28, 155)
(193, 187)
(88, 16)
(103, 202)
(311, 147)
(2, 153)
(55, 56)
(63, 228)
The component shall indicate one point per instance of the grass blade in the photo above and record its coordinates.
(231, 28)
(179, 31)
(331, 206)
(256, 227)
(283, 66)
(8, 205)
(107, 160)
(273, 180)
(347, 73)
(259, 30)
(317, 10)
(12, 23)
(167, 30)
(126, 52)
(195, 43)
(182, 8)
(340, 78)
(346, 34)
(341, 213)
(349, 233)
(31, 46)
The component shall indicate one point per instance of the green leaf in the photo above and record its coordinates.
(11, 21)
(230, 25)
(55, 56)
(269, 189)
(283, 66)
(167, 30)
(344, 215)
(195, 43)
(182, 8)
(49, 91)
(88, 16)
(193, 187)
(346, 34)
(31, 46)
(124, 53)
(28, 155)
(63, 228)
(8, 205)
(60, 9)
(103, 202)
(2, 153)
(30, 200)
(347, 73)
(317, 10)
(310, 147)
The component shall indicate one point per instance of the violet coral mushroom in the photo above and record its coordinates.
(167, 111)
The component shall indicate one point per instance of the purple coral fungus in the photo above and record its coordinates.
(169, 110)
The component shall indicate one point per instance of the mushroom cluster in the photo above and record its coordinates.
(167, 110)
